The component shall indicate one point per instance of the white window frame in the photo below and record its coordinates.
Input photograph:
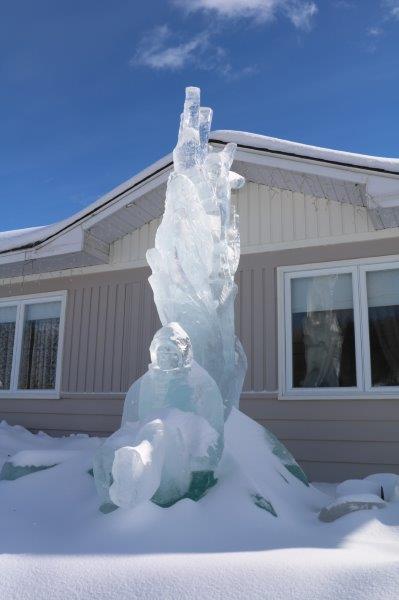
(359, 269)
(21, 302)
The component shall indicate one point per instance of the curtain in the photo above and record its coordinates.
(39, 354)
(385, 323)
(7, 332)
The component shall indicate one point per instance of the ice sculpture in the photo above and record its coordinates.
(197, 250)
(171, 438)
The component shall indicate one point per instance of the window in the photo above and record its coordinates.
(30, 344)
(340, 330)
(383, 322)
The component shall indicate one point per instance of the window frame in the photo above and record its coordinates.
(359, 269)
(21, 302)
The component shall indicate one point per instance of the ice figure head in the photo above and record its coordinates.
(171, 348)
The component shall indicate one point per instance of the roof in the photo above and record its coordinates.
(295, 149)
(86, 235)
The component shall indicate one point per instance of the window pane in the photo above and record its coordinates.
(39, 346)
(7, 332)
(323, 332)
(383, 303)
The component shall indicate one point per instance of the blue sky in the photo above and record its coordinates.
(91, 91)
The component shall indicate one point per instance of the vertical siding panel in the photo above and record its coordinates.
(335, 210)
(128, 337)
(287, 216)
(270, 327)
(67, 351)
(264, 200)
(143, 240)
(139, 317)
(323, 217)
(299, 216)
(101, 338)
(246, 323)
(370, 223)
(311, 217)
(92, 339)
(258, 329)
(115, 253)
(119, 331)
(136, 325)
(135, 253)
(254, 212)
(75, 343)
(348, 218)
(276, 216)
(84, 338)
(110, 321)
(125, 254)
(361, 221)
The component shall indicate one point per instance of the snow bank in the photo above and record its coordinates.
(56, 544)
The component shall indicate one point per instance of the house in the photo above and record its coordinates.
(317, 309)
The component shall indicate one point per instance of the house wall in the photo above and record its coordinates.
(110, 322)
(111, 319)
(272, 219)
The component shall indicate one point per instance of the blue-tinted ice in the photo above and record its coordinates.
(171, 438)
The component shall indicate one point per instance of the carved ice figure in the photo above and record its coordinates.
(171, 438)
(197, 250)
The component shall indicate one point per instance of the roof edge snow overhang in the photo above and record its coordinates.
(378, 175)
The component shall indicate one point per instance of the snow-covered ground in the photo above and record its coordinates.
(55, 543)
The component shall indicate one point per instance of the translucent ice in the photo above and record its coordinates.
(197, 250)
(171, 438)
(348, 504)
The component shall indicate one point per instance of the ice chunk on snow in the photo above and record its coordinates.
(26, 462)
(285, 457)
(351, 503)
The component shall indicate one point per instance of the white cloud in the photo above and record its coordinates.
(162, 49)
(392, 8)
(300, 12)
(157, 50)
(375, 31)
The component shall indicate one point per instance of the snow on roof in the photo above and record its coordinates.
(264, 142)
(17, 239)
(26, 237)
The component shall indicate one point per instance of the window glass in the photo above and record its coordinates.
(39, 346)
(7, 333)
(383, 314)
(323, 333)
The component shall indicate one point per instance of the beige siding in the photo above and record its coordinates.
(110, 322)
(269, 218)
